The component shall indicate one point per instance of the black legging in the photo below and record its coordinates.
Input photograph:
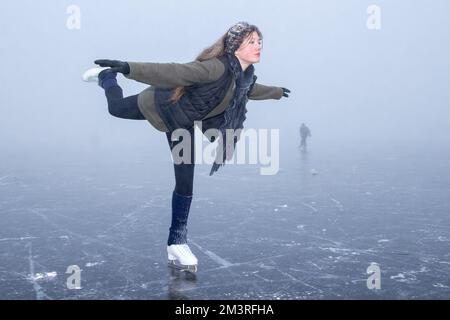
(120, 107)
(127, 108)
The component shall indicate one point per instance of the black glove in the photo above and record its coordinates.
(285, 92)
(115, 65)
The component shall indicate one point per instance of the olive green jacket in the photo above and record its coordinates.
(171, 75)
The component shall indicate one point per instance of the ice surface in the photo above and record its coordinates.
(290, 236)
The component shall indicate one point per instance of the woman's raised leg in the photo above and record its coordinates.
(118, 106)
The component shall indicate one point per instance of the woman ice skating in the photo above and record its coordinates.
(213, 89)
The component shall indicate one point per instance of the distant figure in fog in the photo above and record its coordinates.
(304, 134)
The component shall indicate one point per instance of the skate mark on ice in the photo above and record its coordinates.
(247, 262)
(126, 218)
(2, 183)
(40, 294)
(83, 237)
(255, 274)
(18, 239)
(224, 263)
(315, 265)
(288, 275)
(338, 244)
(309, 206)
(130, 186)
(338, 204)
(32, 238)
(291, 279)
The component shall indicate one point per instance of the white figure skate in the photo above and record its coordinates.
(181, 257)
(91, 75)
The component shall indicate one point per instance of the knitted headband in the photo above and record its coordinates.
(236, 35)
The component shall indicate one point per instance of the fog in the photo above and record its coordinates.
(348, 82)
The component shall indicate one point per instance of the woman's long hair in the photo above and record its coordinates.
(216, 50)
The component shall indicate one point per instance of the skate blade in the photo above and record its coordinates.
(175, 265)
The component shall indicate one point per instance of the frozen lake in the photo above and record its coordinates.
(295, 235)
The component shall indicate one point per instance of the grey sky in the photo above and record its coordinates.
(347, 81)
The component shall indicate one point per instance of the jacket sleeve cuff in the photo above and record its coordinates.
(133, 71)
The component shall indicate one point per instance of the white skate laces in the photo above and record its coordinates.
(91, 75)
(181, 257)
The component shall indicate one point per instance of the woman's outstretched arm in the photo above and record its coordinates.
(262, 92)
(168, 74)
(176, 74)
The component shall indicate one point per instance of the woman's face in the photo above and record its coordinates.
(250, 49)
